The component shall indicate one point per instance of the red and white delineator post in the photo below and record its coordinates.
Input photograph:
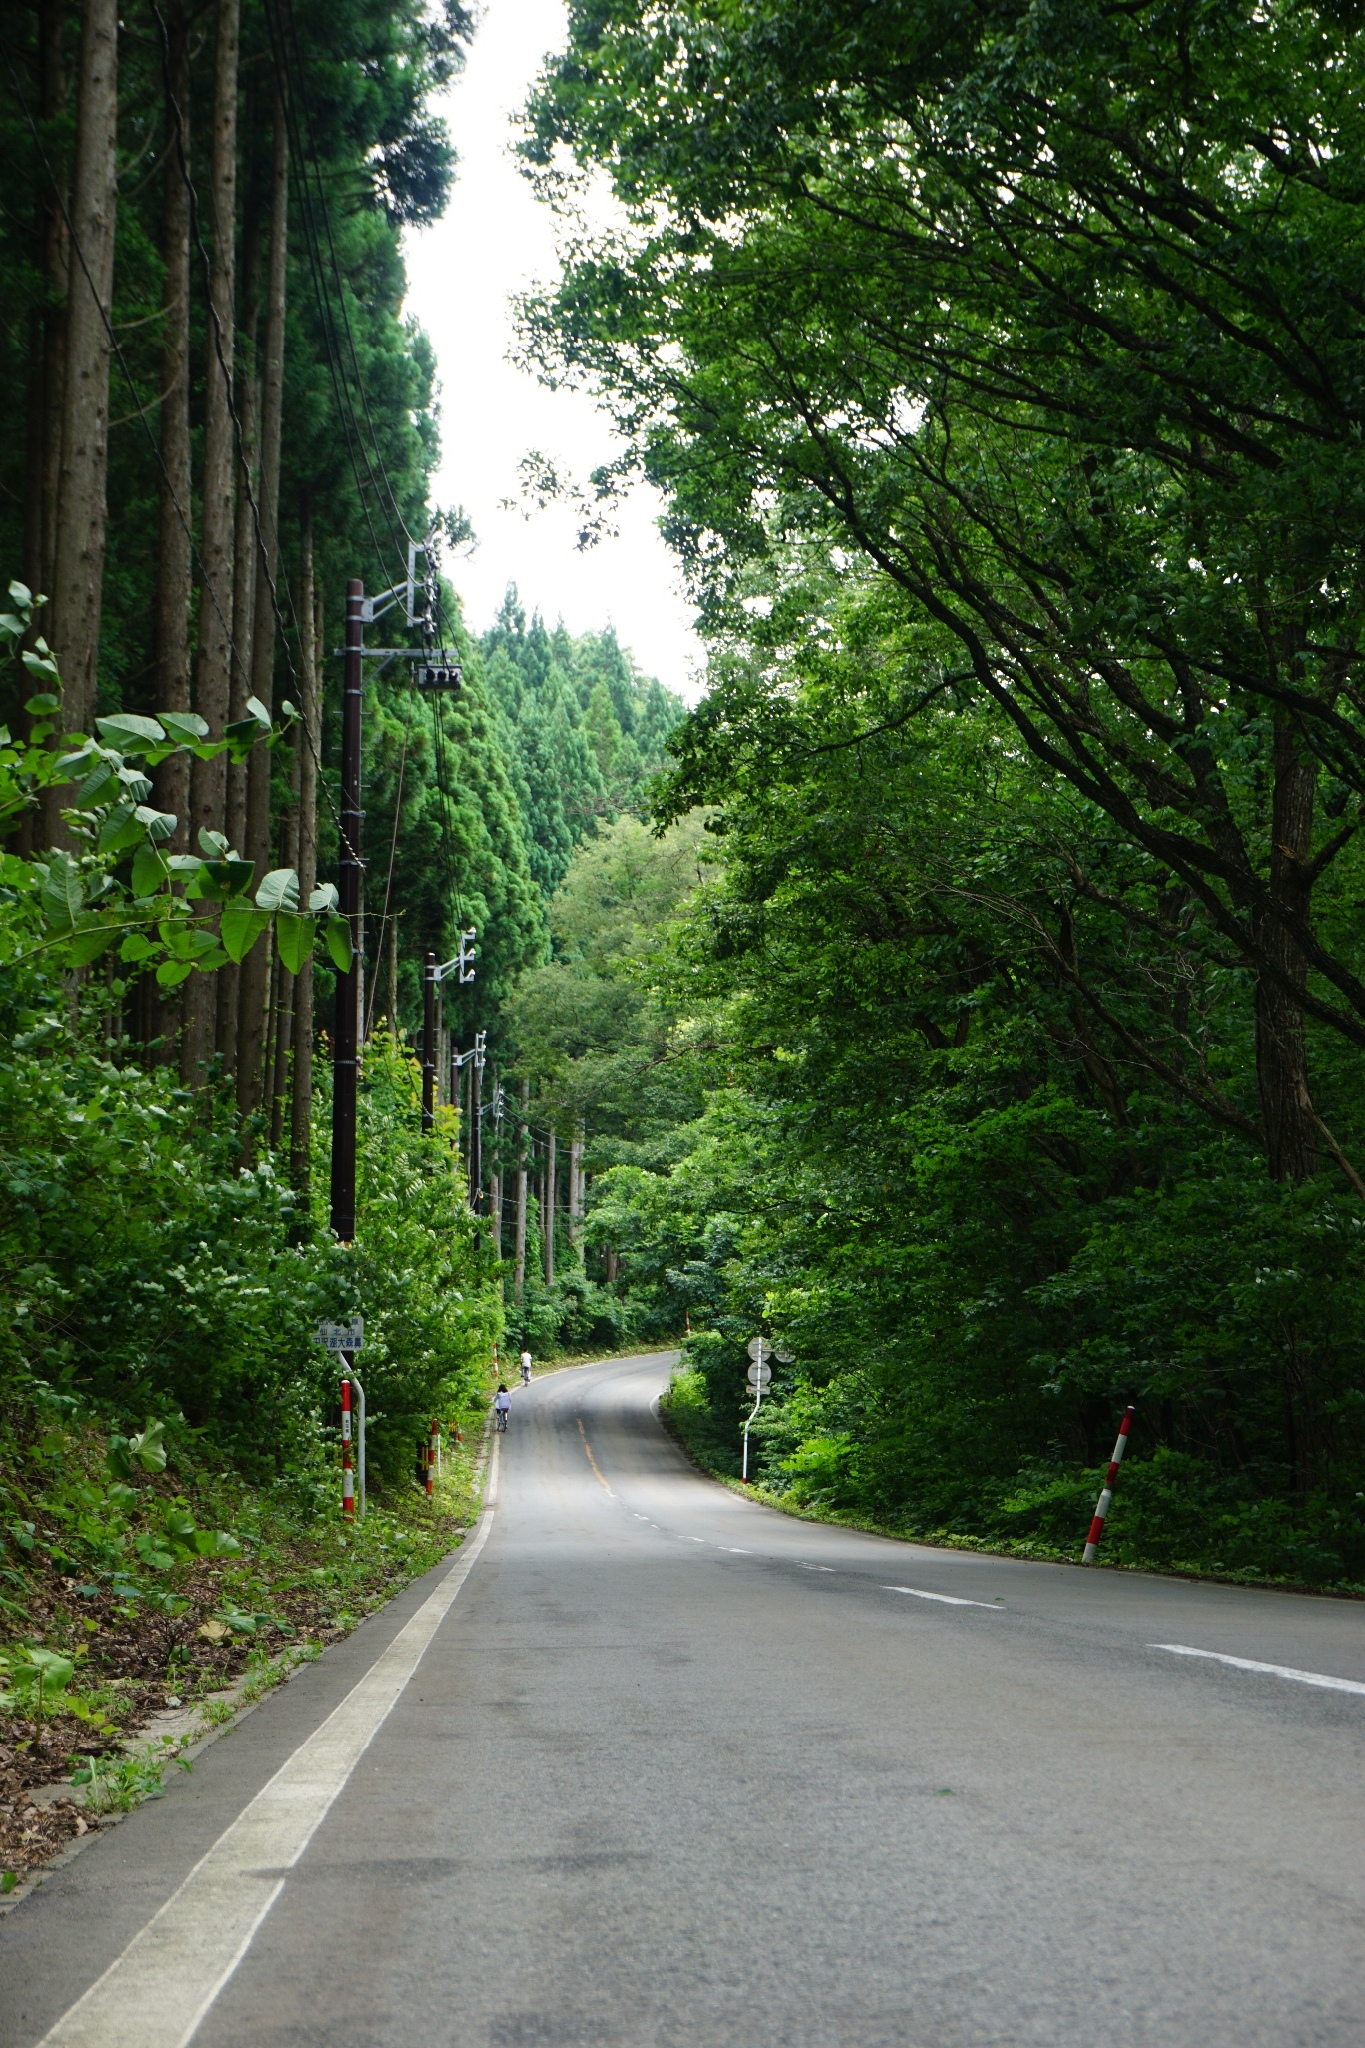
(347, 1474)
(433, 1452)
(352, 1402)
(1092, 1541)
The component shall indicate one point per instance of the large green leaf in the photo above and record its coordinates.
(158, 825)
(324, 897)
(62, 894)
(339, 942)
(185, 940)
(120, 830)
(129, 732)
(220, 879)
(150, 871)
(186, 726)
(153, 1553)
(294, 936)
(90, 942)
(101, 782)
(279, 890)
(240, 926)
(150, 1448)
(171, 973)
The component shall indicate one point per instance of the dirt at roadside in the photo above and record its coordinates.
(138, 1662)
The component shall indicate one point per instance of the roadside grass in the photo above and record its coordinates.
(109, 1621)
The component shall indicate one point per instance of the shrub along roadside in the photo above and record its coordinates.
(169, 1492)
(1171, 1514)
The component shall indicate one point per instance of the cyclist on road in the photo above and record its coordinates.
(526, 1368)
(502, 1401)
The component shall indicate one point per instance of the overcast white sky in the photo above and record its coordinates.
(494, 241)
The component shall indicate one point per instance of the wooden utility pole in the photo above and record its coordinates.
(476, 1132)
(576, 1183)
(495, 1178)
(547, 1213)
(428, 1040)
(346, 1037)
(307, 742)
(519, 1277)
(78, 567)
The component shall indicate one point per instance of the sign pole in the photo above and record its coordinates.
(347, 1475)
(760, 1372)
(346, 1340)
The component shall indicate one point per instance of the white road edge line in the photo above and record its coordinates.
(1271, 1670)
(948, 1599)
(158, 1992)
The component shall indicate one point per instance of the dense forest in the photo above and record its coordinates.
(221, 415)
(999, 368)
(967, 996)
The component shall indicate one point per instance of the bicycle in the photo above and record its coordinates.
(500, 1421)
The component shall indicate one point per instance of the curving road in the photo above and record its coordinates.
(663, 1769)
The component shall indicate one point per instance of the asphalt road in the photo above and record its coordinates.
(673, 1771)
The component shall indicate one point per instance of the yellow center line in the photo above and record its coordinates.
(591, 1460)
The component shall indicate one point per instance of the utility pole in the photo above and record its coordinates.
(476, 1127)
(495, 1178)
(428, 1041)
(547, 1221)
(520, 1274)
(576, 1182)
(348, 880)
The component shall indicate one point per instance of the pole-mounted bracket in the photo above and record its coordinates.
(462, 959)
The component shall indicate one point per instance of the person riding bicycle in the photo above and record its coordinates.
(526, 1368)
(502, 1401)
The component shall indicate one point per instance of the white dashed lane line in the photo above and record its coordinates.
(1319, 1678)
(947, 1599)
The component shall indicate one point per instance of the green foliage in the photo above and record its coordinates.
(117, 1782)
(585, 732)
(992, 371)
(153, 1275)
(35, 1680)
(937, 1155)
(608, 1055)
